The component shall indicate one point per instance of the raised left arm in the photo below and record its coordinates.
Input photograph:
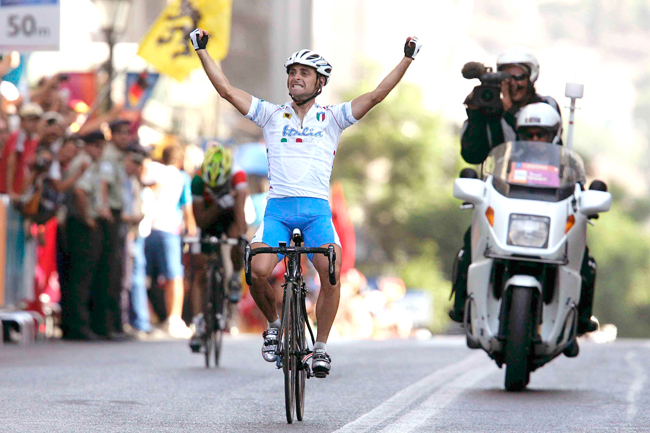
(364, 103)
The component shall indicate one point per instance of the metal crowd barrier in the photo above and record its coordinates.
(18, 262)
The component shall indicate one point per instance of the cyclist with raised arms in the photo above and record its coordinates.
(301, 141)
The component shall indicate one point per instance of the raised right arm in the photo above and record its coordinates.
(237, 97)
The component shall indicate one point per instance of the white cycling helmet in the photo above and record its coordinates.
(540, 115)
(310, 58)
(519, 56)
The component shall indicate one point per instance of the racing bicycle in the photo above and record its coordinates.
(293, 352)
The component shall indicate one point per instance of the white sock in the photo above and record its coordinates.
(319, 345)
(275, 324)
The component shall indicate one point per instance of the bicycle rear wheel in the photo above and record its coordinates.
(301, 346)
(208, 316)
(288, 351)
(220, 312)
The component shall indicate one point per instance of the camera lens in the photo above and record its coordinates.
(487, 95)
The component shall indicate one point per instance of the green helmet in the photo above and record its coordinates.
(217, 166)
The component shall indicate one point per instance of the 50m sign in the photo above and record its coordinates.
(29, 25)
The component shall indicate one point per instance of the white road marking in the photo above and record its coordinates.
(637, 385)
(419, 416)
(406, 397)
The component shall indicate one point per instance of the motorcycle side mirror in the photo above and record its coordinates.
(468, 173)
(469, 190)
(598, 185)
(592, 202)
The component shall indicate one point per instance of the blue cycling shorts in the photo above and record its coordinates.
(312, 216)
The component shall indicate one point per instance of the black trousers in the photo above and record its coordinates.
(105, 312)
(63, 262)
(84, 249)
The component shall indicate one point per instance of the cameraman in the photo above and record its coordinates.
(486, 128)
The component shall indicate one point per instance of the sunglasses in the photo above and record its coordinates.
(529, 135)
(520, 77)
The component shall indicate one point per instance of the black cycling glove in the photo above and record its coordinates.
(412, 47)
(199, 43)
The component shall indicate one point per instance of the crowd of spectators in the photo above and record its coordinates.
(116, 214)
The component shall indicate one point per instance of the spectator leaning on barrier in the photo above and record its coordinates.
(85, 242)
(19, 150)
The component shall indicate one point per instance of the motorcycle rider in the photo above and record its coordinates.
(482, 131)
(539, 122)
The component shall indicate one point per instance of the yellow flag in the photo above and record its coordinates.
(167, 45)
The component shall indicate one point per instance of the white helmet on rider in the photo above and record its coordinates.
(540, 115)
(520, 56)
(312, 59)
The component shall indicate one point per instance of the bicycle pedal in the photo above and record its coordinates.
(305, 364)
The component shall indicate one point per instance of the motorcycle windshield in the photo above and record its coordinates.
(534, 170)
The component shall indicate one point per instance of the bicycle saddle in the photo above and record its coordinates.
(296, 237)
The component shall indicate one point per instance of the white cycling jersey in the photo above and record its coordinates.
(300, 153)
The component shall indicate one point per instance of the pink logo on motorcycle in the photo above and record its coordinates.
(532, 174)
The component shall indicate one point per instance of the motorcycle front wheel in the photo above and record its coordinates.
(519, 338)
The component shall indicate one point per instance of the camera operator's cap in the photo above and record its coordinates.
(31, 109)
(94, 137)
(53, 117)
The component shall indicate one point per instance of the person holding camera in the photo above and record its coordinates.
(491, 121)
(39, 198)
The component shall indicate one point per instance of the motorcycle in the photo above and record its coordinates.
(528, 234)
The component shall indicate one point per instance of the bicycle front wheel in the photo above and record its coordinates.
(220, 310)
(301, 346)
(288, 351)
(208, 316)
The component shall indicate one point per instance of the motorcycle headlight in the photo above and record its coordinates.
(528, 231)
